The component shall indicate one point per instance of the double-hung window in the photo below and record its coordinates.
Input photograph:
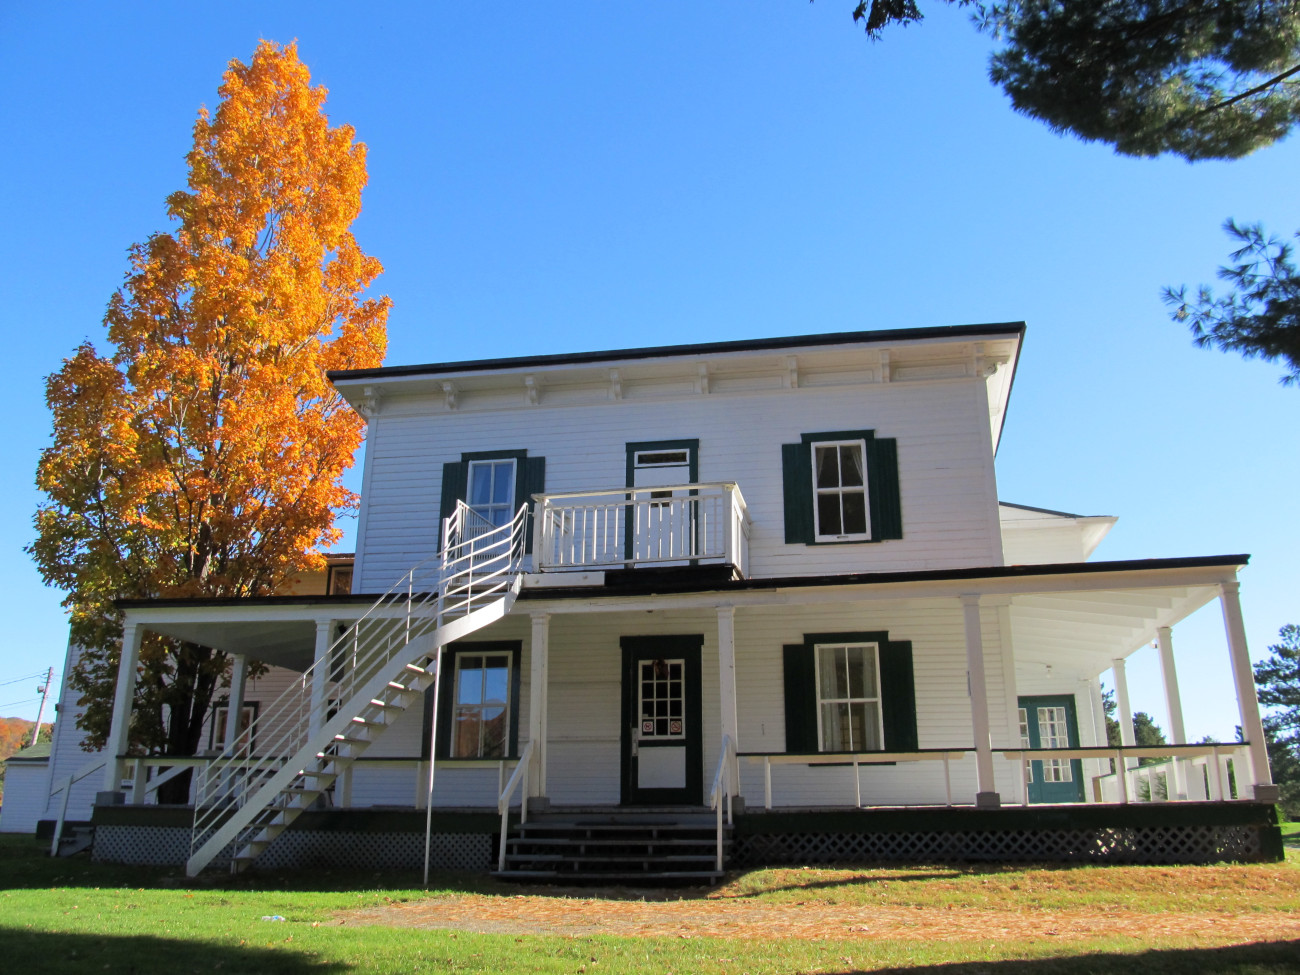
(841, 487)
(481, 708)
(491, 491)
(849, 715)
(840, 490)
(849, 692)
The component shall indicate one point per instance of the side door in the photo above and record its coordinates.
(659, 532)
(1051, 722)
(662, 741)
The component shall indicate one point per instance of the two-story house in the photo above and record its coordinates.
(605, 591)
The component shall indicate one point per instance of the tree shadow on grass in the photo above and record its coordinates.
(53, 953)
(1265, 958)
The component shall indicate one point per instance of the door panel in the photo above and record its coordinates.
(1050, 722)
(662, 757)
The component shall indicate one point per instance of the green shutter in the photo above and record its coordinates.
(800, 700)
(886, 500)
(455, 478)
(796, 474)
(898, 693)
(532, 480)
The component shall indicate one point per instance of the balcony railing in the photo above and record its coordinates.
(681, 524)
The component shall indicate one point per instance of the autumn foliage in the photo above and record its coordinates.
(203, 455)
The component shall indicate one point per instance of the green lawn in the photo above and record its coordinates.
(75, 916)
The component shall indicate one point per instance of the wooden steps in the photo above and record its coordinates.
(633, 849)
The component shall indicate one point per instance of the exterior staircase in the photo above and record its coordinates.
(643, 848)
(377, 669)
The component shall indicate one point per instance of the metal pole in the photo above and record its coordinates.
(433, 765)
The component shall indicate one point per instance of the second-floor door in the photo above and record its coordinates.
(662, 526)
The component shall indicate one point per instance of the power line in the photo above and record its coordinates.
(14, 704)
(19, 680)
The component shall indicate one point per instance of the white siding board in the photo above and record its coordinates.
(945, 462)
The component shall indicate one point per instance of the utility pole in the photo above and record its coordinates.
(44, 691)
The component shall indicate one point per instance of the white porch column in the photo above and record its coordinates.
(1012, 691)
(1097, 706)
(235, 705)
(1247, 701)
(1173, 705)
(320, 673)
(727, 687)
(123, 700)
(1126, 735)
(537, 700)
(986, 796)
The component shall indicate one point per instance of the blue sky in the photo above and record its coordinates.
(551, 178)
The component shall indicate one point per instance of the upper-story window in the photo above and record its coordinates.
(840, 489)
(494, 483)
(492, 490)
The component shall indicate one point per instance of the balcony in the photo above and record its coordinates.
(622, 528)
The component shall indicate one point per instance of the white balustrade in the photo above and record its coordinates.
(673, 524)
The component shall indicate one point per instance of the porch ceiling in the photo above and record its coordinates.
(283, 643)
(1090, 629)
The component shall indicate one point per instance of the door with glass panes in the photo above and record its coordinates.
(1050, 722)
(662, 758)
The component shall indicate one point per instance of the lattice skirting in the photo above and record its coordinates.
(1142, 844)
(170, 846)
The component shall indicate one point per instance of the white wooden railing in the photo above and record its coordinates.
(1189, 772)
(673, 524)
(507, 793)
(66, 789)
(1192, 772)
(722, 791)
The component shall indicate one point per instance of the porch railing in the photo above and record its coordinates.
(620, 527)
(722, 791)
(1187, 772)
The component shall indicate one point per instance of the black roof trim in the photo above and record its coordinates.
(660, 586)
(702, 348)
(313, 600)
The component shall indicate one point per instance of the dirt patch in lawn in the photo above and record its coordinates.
(579, 914)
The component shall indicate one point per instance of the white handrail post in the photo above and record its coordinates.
(138, 774)
(947, 779)
(767, 782)
(857, 782)
(63, 814)
(1121, 776)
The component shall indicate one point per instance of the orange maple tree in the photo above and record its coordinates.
(203, 456)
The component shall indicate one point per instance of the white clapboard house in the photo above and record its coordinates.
(655, 611)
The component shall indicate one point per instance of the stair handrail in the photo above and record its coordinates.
(503, 801)
(66, 789)
(479, 561)
(722, 791)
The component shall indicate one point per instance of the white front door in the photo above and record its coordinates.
(662, 531)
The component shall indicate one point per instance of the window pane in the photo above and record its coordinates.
(855, 513)
(469, 681)
(835, 727)
(851, 466)
(496, 679)
(828, 471)
(502, 488)
(480, 484)
(826, 666)
(465, 733)
(828, 514)
(494, 732)
(869, 739)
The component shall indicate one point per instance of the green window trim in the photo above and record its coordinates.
(897, 690)
(884, 500)
(447, 691)
(530, 479)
